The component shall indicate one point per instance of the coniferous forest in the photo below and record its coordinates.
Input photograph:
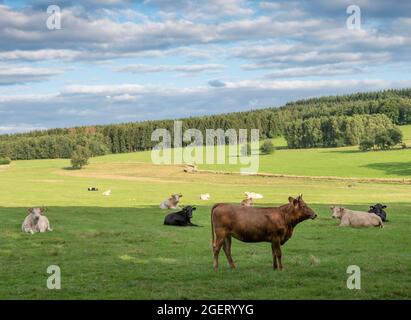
(318, 122)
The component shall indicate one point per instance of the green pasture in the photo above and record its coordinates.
(118, 248)
(331, 162)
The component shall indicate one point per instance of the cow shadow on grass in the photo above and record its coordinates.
(392, 168)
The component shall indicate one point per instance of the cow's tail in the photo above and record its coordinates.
(212, 225)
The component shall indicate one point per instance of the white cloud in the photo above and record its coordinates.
(132, 92)
(321, 70)
(24, 31)
(22, 74)
(38, 55)
(266, 5)
(27, 98)
(186, 69)
(308, 84)
(210, 9)
(124, 98)
(20, 127)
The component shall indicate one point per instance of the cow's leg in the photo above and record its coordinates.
(345, 222)
(218, 243)
(275, 265)
(227, 250)
(277, 251)
(216, 250)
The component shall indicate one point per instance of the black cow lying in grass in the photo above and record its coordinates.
(181, 218)
(378, 209)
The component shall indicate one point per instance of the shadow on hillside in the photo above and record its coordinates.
(392, 168)
(370, 151)
(71, 169)
(343, 151)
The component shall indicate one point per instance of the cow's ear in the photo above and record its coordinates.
(384, 207)
(30, 210)
(290, 199)
(332, 207)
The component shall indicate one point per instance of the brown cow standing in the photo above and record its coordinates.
(248, 224)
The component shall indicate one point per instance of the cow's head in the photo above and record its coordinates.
(301, 208)
(378, 207)
(337, 212)
(176, 197)
(35, 213)
(188, 211)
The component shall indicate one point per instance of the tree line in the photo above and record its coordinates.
(52, 146)
(318, 113)
(335, 131)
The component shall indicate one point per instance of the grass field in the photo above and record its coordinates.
(334, 162)
(117, 247)
(341, 162)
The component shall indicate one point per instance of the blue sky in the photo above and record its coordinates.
(120, 61)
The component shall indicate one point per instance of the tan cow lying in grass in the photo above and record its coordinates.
(352, 218)
(172, 202)
(35, 221)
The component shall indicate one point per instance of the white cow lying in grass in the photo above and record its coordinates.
(351, 218)
(107, 193)
(205, 196)
(253, 195)
(35, 221)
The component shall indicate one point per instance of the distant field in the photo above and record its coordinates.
(340, 162)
